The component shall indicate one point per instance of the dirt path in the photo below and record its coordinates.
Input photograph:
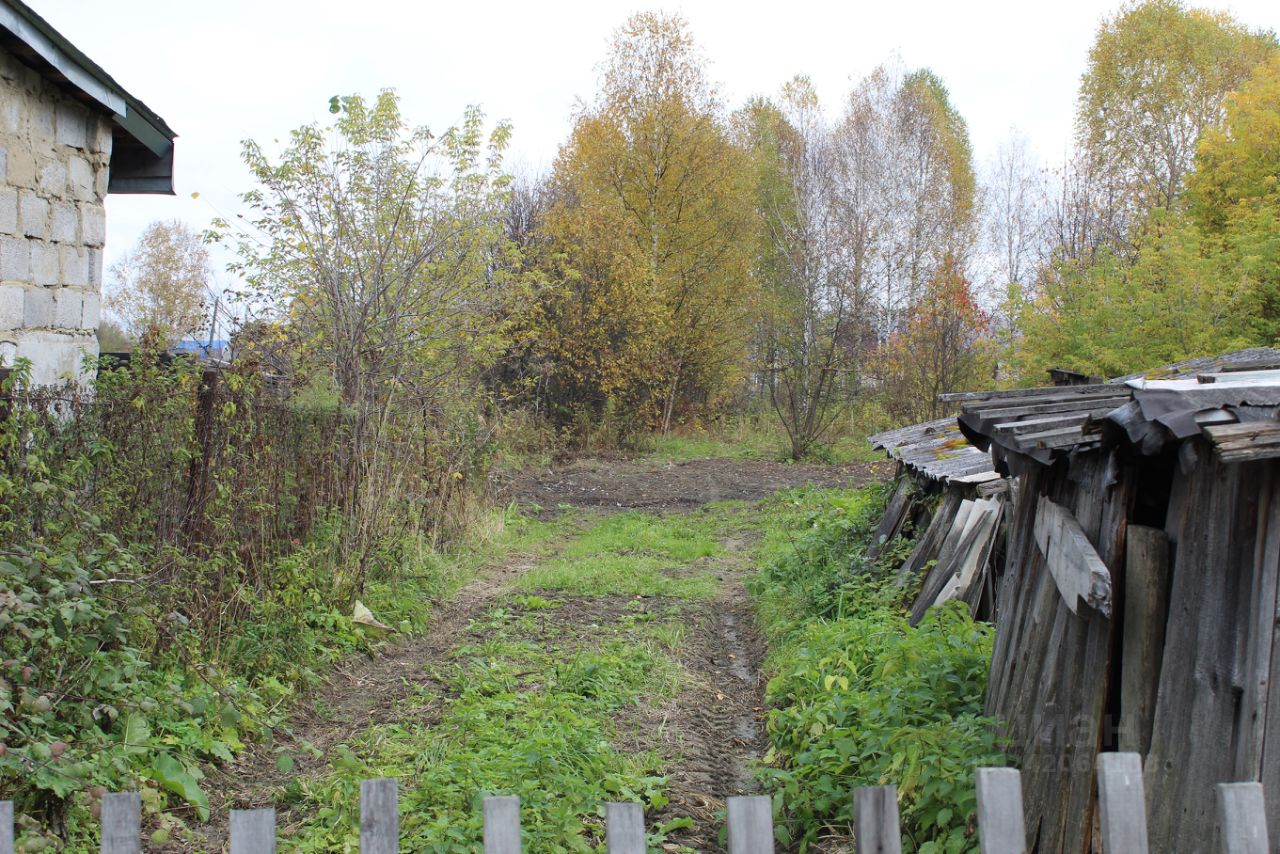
(709, 734)
(674, 486)
(362, 691)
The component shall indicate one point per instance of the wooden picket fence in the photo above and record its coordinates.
(1001, 828)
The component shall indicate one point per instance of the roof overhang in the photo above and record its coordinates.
(142, 144)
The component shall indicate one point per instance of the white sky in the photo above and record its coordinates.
(223, 71)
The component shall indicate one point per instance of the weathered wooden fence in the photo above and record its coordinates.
(1001, 828)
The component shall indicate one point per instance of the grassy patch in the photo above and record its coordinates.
(634, 554)
(524, 709)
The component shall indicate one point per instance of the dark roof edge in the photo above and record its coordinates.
(133, 116)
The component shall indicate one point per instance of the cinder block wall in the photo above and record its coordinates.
(54, 153)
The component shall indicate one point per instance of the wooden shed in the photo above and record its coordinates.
(1137, 608)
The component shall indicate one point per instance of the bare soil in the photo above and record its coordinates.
(675, 486)
(711, 734)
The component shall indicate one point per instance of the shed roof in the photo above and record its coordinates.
(142, 143)
(937, 450)
(1237, 411)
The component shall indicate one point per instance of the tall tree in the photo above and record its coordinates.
(377, 244)
(1234, 194)
(159, 287)
(654, 218)
(1157, 75)
(907, 186)
(812, 332)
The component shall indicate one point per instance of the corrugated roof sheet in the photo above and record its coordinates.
(937, 450)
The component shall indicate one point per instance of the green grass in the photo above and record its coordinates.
(523, 710)
(634, 554)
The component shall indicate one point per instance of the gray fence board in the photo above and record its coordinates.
(1001, 826)
(379, 816)
(6, 827)
(253, 831)
(1121, 803)
(1242, 810)
(624, 828)
(750, 824)
(502, 825)
(122, 823)
(875, 820)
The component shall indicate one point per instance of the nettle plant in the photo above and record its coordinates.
(82, 709)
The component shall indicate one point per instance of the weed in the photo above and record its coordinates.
(859, 697)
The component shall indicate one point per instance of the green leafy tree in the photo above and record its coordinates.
(1234, 194)
(1113, 317)
(376, 246)
(653, 222)
(1157, 76)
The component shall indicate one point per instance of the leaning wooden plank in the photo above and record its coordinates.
(379, 816)
(966, 517)
(1048, 406)
(895, 515)
(253, 831)
(121, 823)
(1091, 390)
(6, 827)
(875, 820)
(1242, 811)
(930, 543)
(1001, 827)
(750, 825)
(502, 825)
(1123, 807)
(624, 828)
(975, 552)
(1073, 562)
(1146, 606)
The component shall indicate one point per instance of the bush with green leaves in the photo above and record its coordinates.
(83, 704)
(861, 698)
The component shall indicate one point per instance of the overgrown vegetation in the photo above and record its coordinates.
(168, 573)
(858, 696)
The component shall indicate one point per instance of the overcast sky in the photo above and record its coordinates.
(220, 72)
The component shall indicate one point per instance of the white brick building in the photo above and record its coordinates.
(69, 135)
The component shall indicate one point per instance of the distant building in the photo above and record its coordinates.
(217, 350)
(69, 135)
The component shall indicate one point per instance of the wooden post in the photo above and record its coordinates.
(1242, 809)
(1001, 826)
(253, 831)
(750, 824)
(875, 820)
(1146, 595)
(502, 825)
(379, 816)
(1122, 804)
(121, 823)
(6, 827)
(624, 829)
